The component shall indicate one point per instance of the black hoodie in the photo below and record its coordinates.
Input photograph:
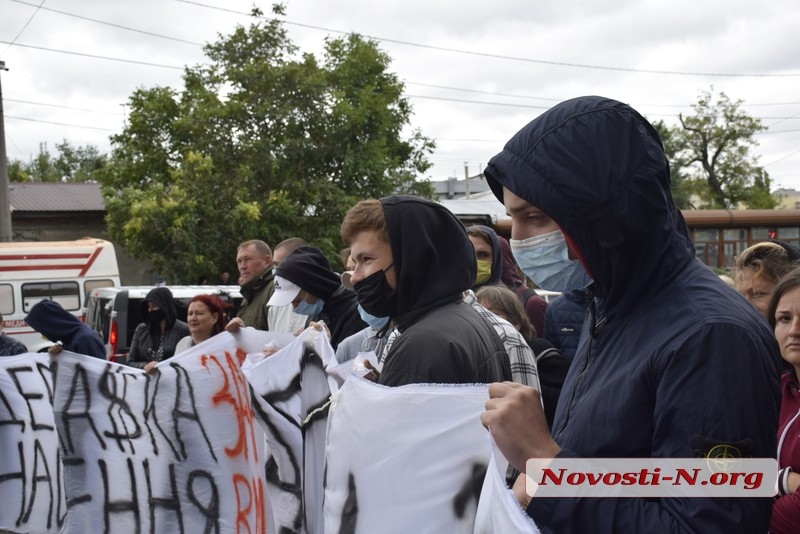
(442, 339)
(57, 324)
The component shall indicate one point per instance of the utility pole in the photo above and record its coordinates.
(466, 179)
(5, 204)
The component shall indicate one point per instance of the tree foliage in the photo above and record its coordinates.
(71, 164)
(262, 142)
(712, 156)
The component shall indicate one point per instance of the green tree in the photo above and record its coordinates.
(71, 164)
(714, 146)
(261, 142)
(679, 185)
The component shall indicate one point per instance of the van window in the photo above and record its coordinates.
(65, 293)
(6, 299)
(104, 317)
(89, 285)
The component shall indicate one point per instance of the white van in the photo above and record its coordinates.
(64, 271)
(114, 312)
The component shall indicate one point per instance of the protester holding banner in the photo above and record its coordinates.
(8, 345)
(156, 338)
(671, 363)
(206, 318)
(306, 280)
(413, 262)
(58, 325)
(254, 260)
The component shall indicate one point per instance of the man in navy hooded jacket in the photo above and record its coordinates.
(671, 362)
(57, 324)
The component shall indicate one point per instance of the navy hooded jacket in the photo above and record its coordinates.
(671, 362)
(57, 324)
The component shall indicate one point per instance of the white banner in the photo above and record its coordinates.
(174, 451)
(31, 488)
(292, 392)
(405, 460)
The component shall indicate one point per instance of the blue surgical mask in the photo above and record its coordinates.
(312, 310)
(545, 260)
(375, 322)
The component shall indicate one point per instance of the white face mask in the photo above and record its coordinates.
(545, 260)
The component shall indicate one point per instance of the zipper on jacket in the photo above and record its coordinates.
(594, 327)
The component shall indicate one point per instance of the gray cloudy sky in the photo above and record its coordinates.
(475, 71)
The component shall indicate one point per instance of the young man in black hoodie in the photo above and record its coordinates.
(413, 262)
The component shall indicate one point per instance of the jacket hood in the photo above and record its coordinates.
(54, 322)
(310, 269)
(598, 169)
(163, 297)
(497, 255)
(433, 257)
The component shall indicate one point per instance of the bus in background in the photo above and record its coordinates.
(64, 271)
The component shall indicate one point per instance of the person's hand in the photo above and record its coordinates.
(318, 327)
(373, 374)
(269, 350)
(519, 491)
(515, 417)
(234, 325)
(150, 367)
(55, 349)
(794, 482)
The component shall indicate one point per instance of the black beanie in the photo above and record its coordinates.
(309, 268)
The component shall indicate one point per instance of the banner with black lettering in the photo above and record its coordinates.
(498, 509)
(292, 391)
(174, 451)
(31, 488)
(405, 459)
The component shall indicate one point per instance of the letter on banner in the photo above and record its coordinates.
(174, 451)
(31, 488)
(405, 459)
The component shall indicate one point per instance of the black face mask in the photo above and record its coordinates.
(156, 316)
(375, 294)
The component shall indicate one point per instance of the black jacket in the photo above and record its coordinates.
(442, 339)
(672, 363)
(57, 324)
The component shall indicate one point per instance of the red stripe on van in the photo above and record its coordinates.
(83, 268)
(90, 262)
(43, 256)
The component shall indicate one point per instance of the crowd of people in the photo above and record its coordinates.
(646, 353)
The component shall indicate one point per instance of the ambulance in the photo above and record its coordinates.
(64, 271)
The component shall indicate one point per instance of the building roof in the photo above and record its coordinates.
(55, 196)
(478, 205)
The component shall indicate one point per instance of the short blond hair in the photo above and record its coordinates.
(367, 215)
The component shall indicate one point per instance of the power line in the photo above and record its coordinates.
(514, 58)
(95, 56)
(60, 124)
(62, 107)
(113, 25)
(26, 25)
